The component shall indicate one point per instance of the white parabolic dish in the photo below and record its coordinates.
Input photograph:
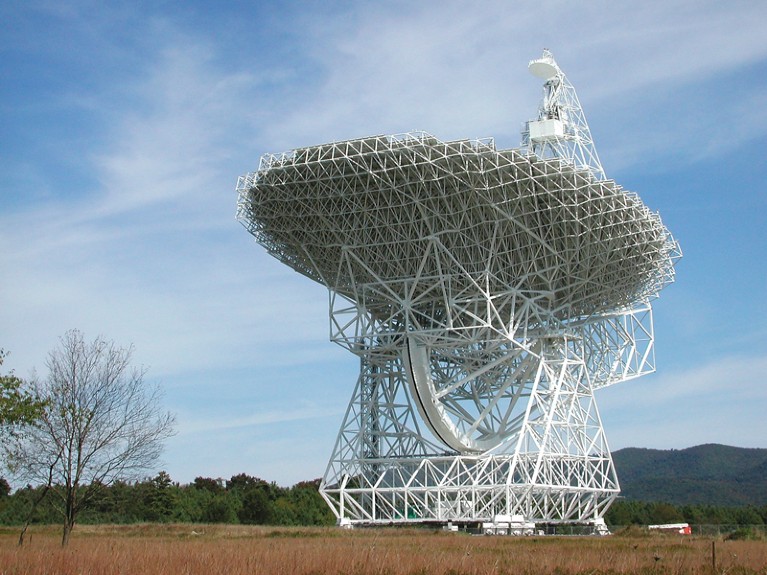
(571, 244)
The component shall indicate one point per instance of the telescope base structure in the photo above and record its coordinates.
(555, 468)
(470, 490)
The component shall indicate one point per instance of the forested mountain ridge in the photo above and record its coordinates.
(709, 474)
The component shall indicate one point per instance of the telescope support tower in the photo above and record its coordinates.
(555, 467)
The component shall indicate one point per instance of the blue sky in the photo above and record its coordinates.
(124, 127)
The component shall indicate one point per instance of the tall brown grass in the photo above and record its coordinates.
(234, 550)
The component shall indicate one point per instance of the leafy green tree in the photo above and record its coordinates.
(665, 513)
(159, 499)
(253, 497)
(18, 406)
(115, 503)
(713, 515)
(101, 424)
(628, 512)
(18, 508)
(284, 512)
(208, 484)
(619, 514)
(748, 516)
(243, 482)
(5, 488)
(309, 505)
(256, 507)
(220, 509)
(189, 504)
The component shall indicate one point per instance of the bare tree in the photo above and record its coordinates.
(101, 424)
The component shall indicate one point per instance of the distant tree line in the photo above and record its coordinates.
(249, 500)
(635, 512)
(242, 499)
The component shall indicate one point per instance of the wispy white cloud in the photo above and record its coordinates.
(190, 424)
(729, 376)
(152, 253)
(719, 401)
(460, 73)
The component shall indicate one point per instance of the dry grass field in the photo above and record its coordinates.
(233, 550)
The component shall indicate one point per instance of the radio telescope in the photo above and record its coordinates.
(487, 294)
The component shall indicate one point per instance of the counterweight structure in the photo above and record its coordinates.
(487, 293)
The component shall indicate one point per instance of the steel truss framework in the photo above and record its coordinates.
(487, 294)
(563, 131)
